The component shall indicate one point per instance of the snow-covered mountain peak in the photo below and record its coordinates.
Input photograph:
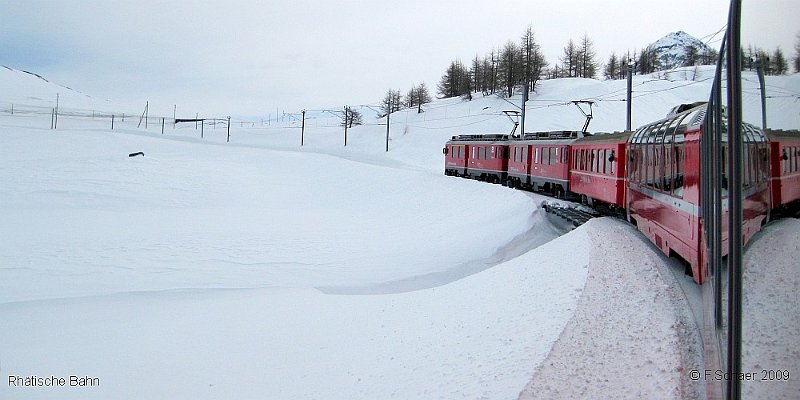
(672, 49)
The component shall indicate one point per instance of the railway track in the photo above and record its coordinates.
(573, 214)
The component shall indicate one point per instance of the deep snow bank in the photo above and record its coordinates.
(478, 337)
(631, 336)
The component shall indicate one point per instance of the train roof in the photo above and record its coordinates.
(777, 135)
(539, 137)
(603, 138)
(672, 128)
(489, 137)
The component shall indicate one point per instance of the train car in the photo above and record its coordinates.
(784, 170)
(539, 161)
(482, 157)
(597, 170)
(664, 189)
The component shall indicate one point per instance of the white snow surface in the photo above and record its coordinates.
(262, 269)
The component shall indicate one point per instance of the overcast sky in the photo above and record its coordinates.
(240, 57)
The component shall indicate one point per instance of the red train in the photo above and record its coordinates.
(651, 176)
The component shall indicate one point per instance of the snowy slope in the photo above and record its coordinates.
(262, 269)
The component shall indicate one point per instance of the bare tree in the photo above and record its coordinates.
(455, 81)
(611, 71)
(391, 102)
(587, 66)
(533, 61)
(569, 61)
(510, 67)
(351, 117)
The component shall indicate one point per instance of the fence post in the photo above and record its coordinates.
(112, 122)
(229, 129)
(162, 125)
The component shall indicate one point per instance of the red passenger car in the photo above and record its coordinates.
(540, 161)
(482, 157)
(784, 169)
(597, 170)
(664, 185)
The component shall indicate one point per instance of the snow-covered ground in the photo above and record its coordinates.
(262, 269)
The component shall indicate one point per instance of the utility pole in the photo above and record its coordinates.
(346, 118)
(55, 118)
(631, 65)
(303, 128)
(524, 101)
(762, 86)
(387, 124)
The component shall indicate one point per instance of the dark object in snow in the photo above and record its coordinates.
(138, 153)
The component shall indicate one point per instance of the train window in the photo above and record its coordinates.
(724, 180)
(748, 161)
(677, 183)
(536, 155)
(611, 163)
(481, 153)
(554, 155)
(601, 160)
(545, 155)
(669, 169)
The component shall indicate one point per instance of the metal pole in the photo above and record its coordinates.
(303, 129)
(55, 113)
(387, 124)
(346, 117)
(762, 85)
(229, 130)
(202, 127)
(112, 122)
(524, 101)
(162, 125)
(630, 89)
(734, 202)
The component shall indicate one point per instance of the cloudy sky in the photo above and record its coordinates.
(240, 57)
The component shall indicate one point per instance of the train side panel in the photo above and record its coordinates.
(597, 170)
(784, 169)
